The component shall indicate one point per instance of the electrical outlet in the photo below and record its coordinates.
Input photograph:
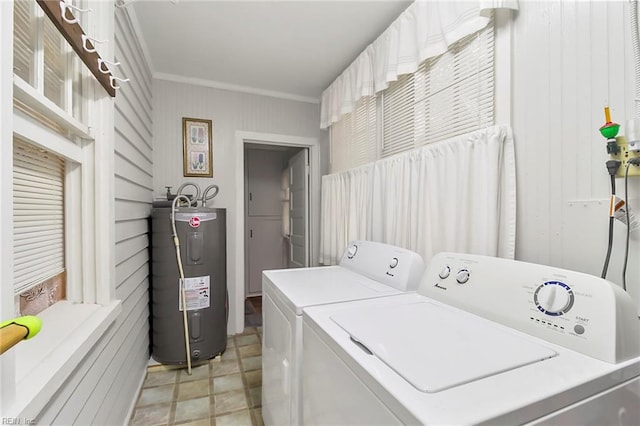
(624, 156)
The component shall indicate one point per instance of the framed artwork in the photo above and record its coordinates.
(197, 147)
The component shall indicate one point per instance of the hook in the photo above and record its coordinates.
(105, 70)
(112, 81)
(63, 11)
(85, 38)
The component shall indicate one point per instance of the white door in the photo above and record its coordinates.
(299, 209)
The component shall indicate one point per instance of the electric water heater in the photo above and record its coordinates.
(202, 235)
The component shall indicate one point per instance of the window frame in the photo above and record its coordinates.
(79, 164)
(29, 380)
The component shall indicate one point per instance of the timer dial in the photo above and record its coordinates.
(553, 298)
(463, 276)
(351, 251)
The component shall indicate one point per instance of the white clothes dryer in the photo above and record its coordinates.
(366, 270)
(483, 341)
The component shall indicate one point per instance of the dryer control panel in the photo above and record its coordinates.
(394, 266)
(575, 310)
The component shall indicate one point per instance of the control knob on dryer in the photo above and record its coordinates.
(351, 251)
(444, 272)
(463, 276)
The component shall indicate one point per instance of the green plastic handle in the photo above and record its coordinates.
(30, 322)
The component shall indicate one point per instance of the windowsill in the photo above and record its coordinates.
(69, 332)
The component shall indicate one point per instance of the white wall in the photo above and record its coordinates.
(231, 112)
(570, 58)
(104, 387)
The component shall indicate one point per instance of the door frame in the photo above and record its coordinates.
(238, 269)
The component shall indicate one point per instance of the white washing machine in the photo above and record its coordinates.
(483, 341)
(366, 270)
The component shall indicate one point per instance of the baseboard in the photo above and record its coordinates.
(132, 408)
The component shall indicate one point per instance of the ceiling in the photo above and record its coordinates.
(288, 49)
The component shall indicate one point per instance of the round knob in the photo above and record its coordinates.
(553, 298)
(351, 251)
(394, 263)
(462, 276)
(444, 272)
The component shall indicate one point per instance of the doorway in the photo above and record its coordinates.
(276, 211)
(236, 270)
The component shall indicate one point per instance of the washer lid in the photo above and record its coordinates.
(435, 347)
(304, 287)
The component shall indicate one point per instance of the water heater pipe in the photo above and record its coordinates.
(205, 195)
(194, 201)
(183, 292)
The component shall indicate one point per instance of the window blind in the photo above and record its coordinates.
(354, 137)
(38, 215)
(339, 143)
(447, 96)
(398, 103)
(362, 143)
(24, 39)
(55, 64)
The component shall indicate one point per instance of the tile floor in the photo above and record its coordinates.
(225, 391)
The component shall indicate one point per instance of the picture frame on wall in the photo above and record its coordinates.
(197, 147)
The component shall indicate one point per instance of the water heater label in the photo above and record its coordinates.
(197, 291)
(194, 221)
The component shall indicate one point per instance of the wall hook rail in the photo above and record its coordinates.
(61, 14)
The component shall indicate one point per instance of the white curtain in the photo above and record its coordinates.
(346, 211)
(424, 30)
(456, 195)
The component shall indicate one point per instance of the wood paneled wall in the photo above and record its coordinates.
(570, 59)
(104, 387)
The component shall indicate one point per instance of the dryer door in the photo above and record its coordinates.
(276, 364)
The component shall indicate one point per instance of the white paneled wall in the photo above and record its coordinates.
(104, 387)
(230, 112)
(570, 59)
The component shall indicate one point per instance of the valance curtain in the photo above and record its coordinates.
(424, 30)
(455, 195)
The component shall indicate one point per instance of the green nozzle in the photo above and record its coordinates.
(609, 130)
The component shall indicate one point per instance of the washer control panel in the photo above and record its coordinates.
(575, 310)
(394, 266)
(553, 298)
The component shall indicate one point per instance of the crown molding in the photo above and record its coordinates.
(234, 87)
